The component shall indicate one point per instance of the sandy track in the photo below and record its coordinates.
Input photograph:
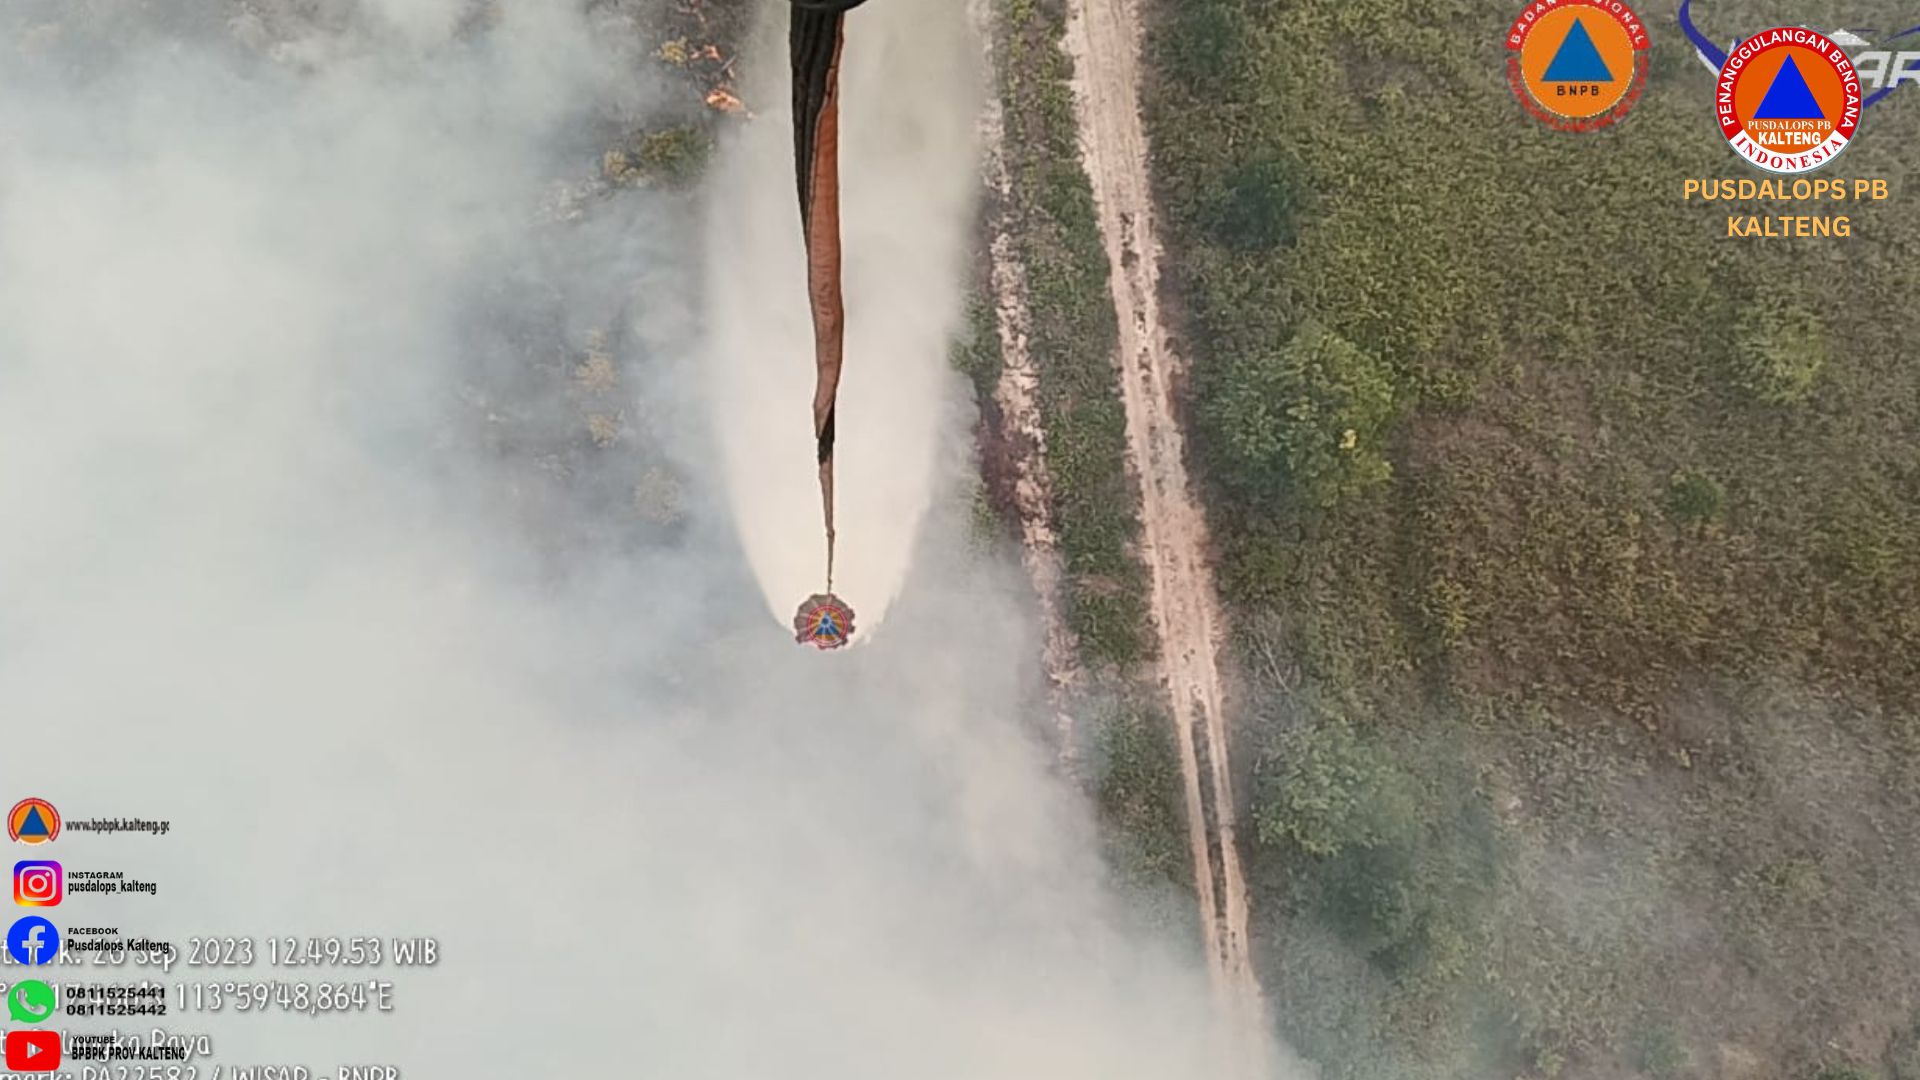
(1017, 395)
(1103, 38)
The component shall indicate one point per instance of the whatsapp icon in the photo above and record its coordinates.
(30, 1002)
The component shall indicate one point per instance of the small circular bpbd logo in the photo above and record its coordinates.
(1788, 99)
(33, 821)
(1577, 64)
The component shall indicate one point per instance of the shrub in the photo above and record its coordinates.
(1781, 351)
(1903, 1058)
(976, 351)
(1256, 207)
(1204, 40)
(1857, 540)
(1310, 420)
(674, 157)
(1138, 788)
(1695, 497)
(1325, 791)
(1658, 1052)
(1402, 867)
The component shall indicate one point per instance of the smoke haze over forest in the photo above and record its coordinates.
(287, 361)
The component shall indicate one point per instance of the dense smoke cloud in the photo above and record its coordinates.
(282, 565)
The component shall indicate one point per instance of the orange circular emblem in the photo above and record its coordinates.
(1788, 99)
(1577, 64)
(33, 821)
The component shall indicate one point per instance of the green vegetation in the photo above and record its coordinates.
(1136, 778)
(1402, 863)
(1695, 497)
(1903, 1061)
(1073, 339)
(1325, 792)
(674, 157)
(1304, 423)
(1658, 1052)
(977, 353)
(993, 523)
(1126, 752)
(1571, 544)
(1782, 348)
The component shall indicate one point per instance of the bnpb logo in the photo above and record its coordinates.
(1788, 99)
(1577, 64)
(33, 821)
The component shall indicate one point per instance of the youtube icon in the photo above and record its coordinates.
(33, 1051)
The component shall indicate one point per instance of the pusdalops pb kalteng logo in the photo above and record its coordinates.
(1788, 99)
(1577, 64)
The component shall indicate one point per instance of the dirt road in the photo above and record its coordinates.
(1103, 38)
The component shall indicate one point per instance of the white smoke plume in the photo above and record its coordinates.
(911, 93)
(278, 564)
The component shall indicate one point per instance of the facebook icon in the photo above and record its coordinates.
(33, 941)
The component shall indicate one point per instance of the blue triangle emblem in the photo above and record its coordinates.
(1789, 98)
(34, 824)
(1577, 60)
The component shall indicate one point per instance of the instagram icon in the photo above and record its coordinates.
(38, 884)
